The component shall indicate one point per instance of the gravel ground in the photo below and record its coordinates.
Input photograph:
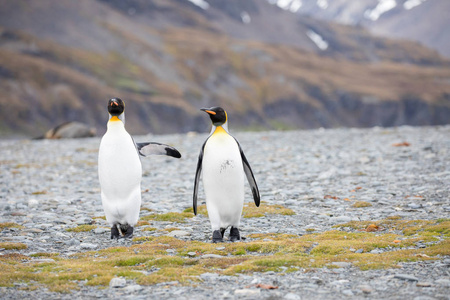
(49, 186)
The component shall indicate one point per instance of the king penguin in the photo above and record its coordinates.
(120, 171)
(224, 164)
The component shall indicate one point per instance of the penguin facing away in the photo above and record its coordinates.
(223, 164)
(120, 171)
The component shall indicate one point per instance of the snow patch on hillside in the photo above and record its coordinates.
(323, 4)
(412, 3)
(200, 3)
(317, 39)
(290, 5)
(245, 17)
(382, 7)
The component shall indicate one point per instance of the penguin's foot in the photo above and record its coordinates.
(234, 234)
(128, 233)
(217, 237)
(114, 232)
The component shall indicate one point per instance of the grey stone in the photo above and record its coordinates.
(365, 288)
(341, 264)
(211, 256)
(347, 292)
(117, 282)
(340, 219)
(179, 233)
(247, 292)
(209, 276)
(292, 296)
(415, 205)
(73, 242)
(101, 230)
(84, 221)
(132, 288)
(33, 203)
(43, 260)
(88, 246)
(406, 277)
(443, 281)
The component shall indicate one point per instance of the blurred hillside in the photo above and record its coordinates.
(270, 68)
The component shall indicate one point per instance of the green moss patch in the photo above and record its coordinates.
(147, 262)
(359, 204)
(13, 246)
(168, 217)
(10, 225)
(82, 228)
(251, 211)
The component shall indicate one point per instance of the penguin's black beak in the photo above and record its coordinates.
(114, 103)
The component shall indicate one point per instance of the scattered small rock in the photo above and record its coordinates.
(211, 256)
(88, 246)
(101, 230)
(423, 284)
(73, 242)
(341, 264)
(117, 282)
(179, 233)
(292, 296)
(406, 277)
(443, 282)
(132, 288)
(365, 288)
(247, 292)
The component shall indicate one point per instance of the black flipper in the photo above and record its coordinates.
(217, 237)
(251, 179)
(234, 234)
(197, 178)
(153, 148)
(222, 231)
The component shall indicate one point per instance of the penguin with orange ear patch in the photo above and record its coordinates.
(120, 171)
(224, 166)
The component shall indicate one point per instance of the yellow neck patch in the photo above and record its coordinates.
(220, 130)
(114, 119)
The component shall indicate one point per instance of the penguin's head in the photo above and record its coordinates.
(217, 114)
(116, 107)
